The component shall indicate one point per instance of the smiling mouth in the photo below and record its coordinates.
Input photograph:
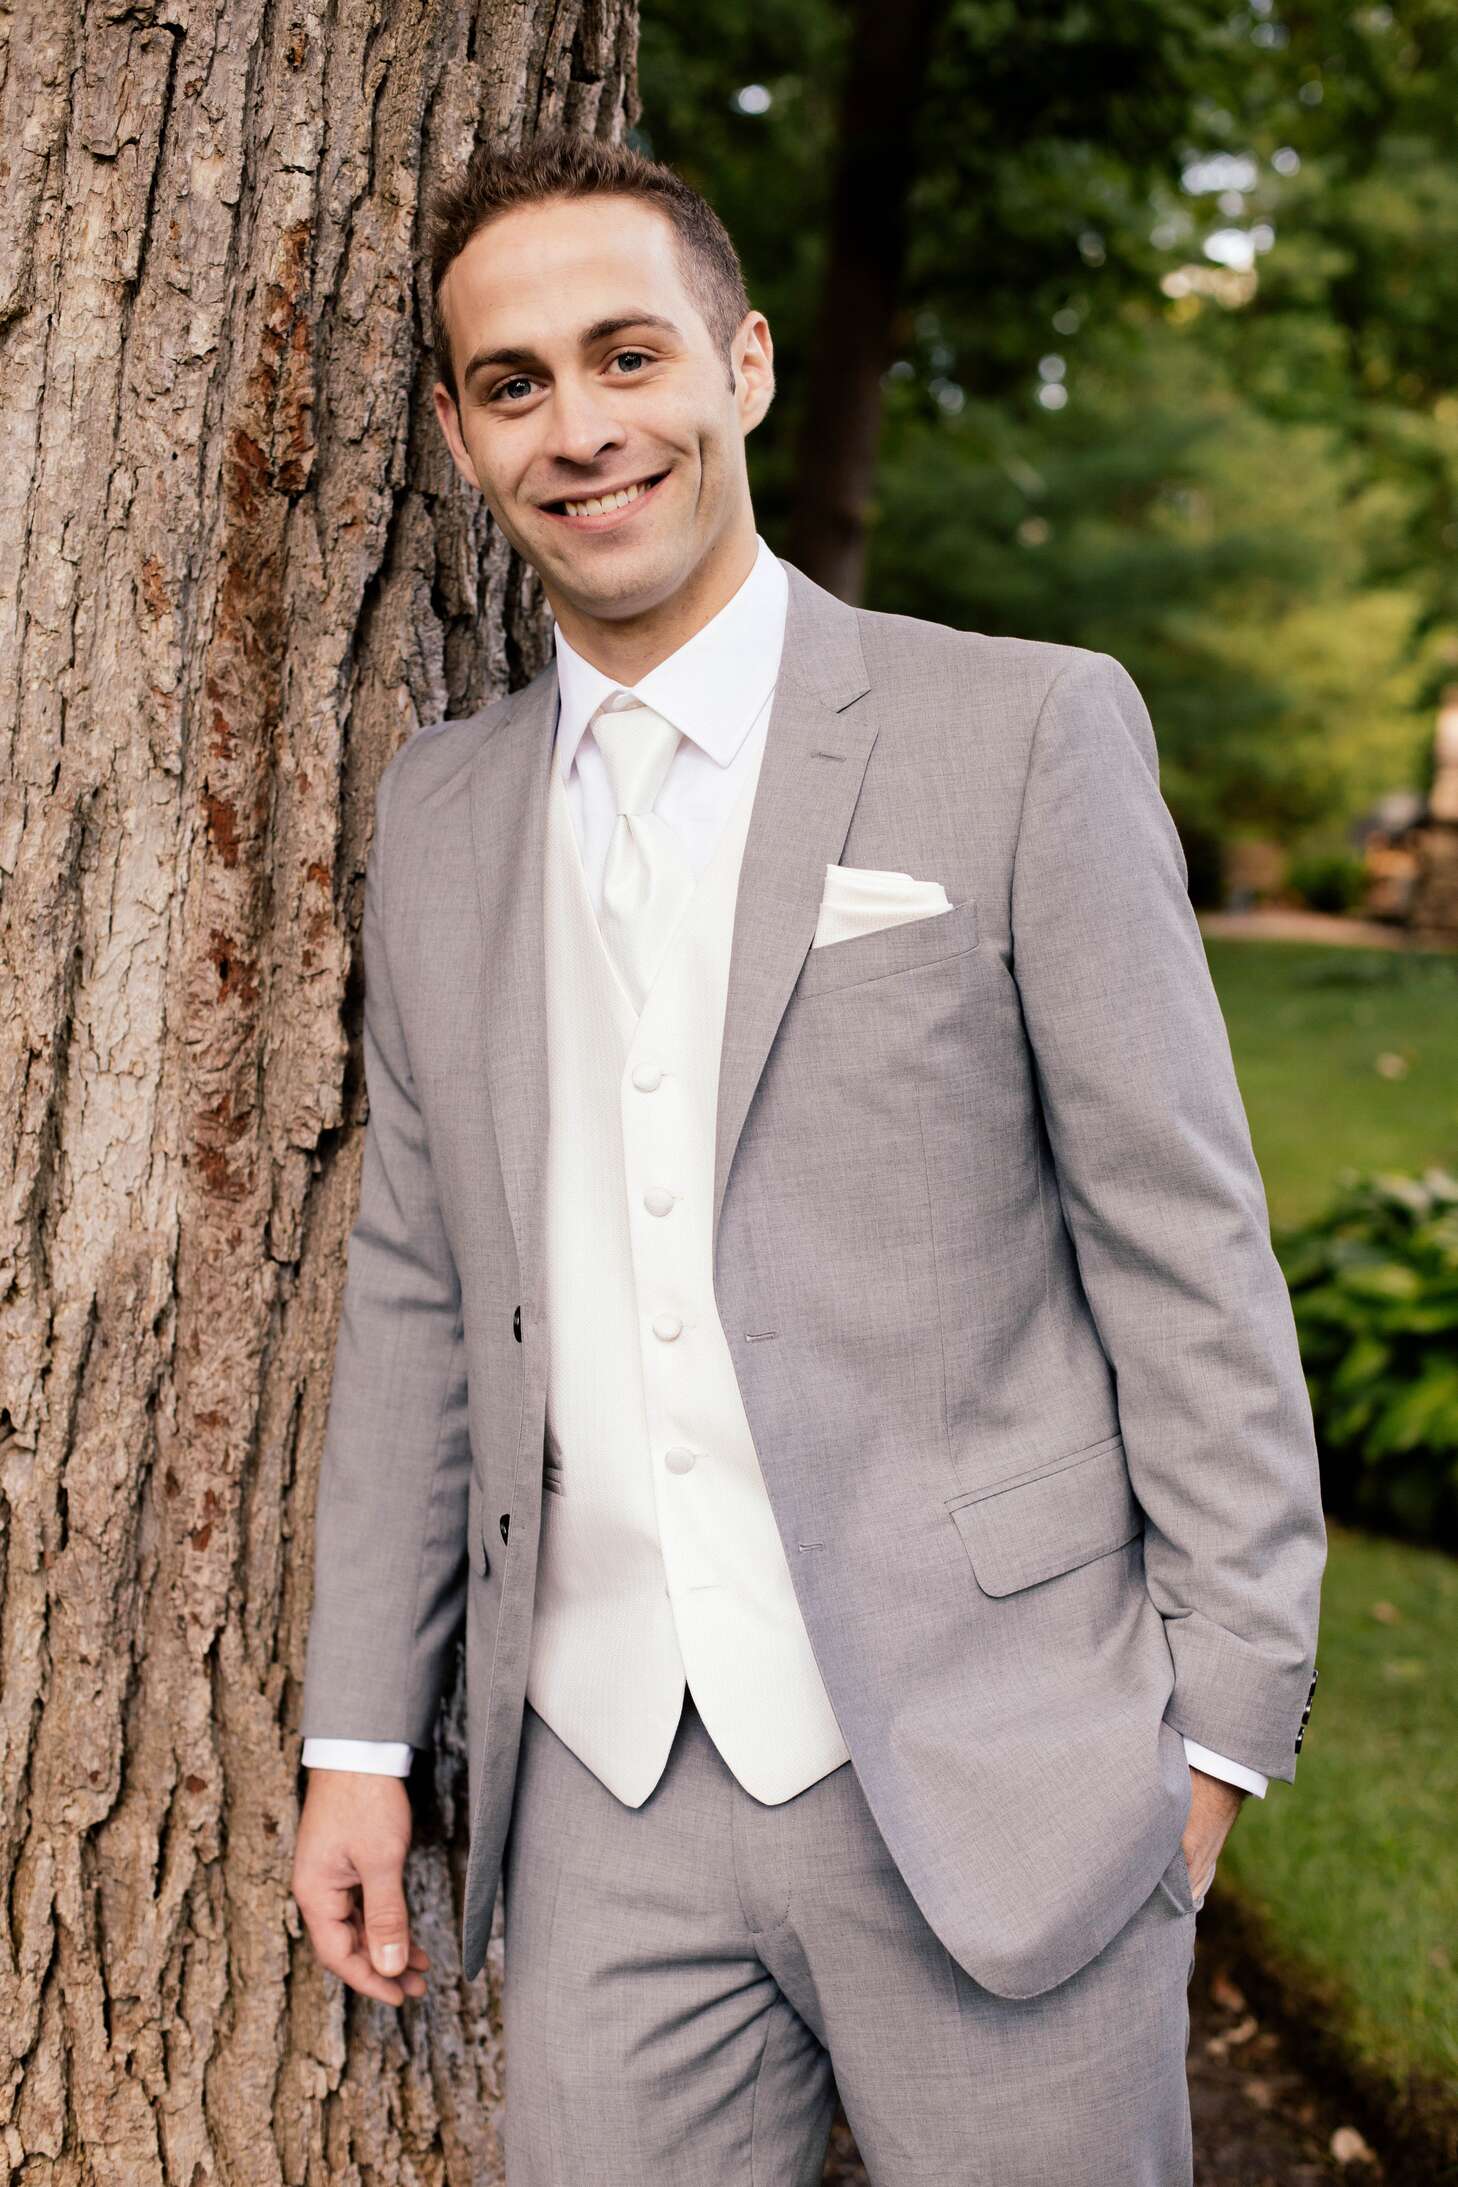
(589, 505)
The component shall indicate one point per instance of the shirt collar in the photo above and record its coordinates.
(711, 688)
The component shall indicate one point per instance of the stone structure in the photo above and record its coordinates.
(1433, 906)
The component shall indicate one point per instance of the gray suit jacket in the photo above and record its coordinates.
(991, 1252)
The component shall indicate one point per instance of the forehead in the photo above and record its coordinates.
(539, 273)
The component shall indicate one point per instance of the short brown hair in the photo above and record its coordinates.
(557, 164)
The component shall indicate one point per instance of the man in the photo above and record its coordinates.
(811, 1309)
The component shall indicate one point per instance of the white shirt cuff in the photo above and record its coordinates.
(1219, 1765)
(383, 1757)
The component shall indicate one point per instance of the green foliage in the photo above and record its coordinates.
(1161, 518)
(1352, 1867)
(1367, 253)
(1374, 1287)
(1247, 493)
(1333, 880)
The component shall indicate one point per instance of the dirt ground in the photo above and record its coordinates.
(1277, 924)
(1280, 925)
(1259, 2120)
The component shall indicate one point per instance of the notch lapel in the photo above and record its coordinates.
(816, 748)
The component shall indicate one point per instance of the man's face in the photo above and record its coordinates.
(568, 389)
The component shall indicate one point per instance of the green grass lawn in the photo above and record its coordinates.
(1353, 1867)
(1308, 1025)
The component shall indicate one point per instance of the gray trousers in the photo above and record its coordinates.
(689, 1983)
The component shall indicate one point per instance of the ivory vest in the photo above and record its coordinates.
(660, 1560)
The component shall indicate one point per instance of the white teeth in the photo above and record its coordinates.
(607, 501)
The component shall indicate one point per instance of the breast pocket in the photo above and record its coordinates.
(889, 949)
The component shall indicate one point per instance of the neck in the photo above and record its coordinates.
(628, 647)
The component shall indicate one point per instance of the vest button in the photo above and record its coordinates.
(666, 1326)
(678, 1461)
(646, 1076)
(658, 1200)
(516, 1325)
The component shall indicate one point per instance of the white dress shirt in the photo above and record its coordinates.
(717, 689)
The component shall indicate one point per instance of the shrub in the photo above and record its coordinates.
(1374, 1288)
(1204, 864)
(1328, 880)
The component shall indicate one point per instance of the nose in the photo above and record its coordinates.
(581, 425)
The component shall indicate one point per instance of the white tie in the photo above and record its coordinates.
(648, 878)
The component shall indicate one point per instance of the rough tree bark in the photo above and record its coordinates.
(238, 570)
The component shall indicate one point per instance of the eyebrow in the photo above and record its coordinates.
(601, 330)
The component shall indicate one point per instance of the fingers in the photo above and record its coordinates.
(337, 1934)
(356, 1967)
(336, 1927)
(386, 1918)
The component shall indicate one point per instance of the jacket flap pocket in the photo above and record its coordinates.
(1051, 1524)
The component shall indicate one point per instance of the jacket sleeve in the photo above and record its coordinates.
(1167, 1213)
(390, 1567)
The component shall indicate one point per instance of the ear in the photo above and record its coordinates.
(450, 424)
(754, 369)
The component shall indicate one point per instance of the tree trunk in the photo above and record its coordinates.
(852, 345)
(239, 571)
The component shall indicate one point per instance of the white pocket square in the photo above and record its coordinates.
(861, 899)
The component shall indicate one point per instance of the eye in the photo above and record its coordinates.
(517, 380)
(622, 353)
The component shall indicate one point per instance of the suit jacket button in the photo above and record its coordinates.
(505, 1523)
(516, 1325)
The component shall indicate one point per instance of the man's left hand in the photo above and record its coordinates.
(1214, 1805)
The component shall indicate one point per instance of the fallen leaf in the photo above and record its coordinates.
(1225, 1994)
(1348, 2147)
(1386, 1613)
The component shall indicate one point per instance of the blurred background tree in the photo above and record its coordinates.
(1158, 299)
